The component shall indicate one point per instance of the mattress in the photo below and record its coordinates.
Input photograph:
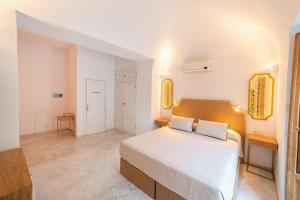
(191, 165)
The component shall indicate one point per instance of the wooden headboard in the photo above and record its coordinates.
(212, 110)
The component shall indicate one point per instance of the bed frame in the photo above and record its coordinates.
(213, 110)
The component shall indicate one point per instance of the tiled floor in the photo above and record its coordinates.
(68, 168)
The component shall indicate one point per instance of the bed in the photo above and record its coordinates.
(172, 164)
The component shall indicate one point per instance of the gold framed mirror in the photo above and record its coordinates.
(261, 96)
(167, 94)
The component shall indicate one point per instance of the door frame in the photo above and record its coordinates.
(85, 109)
(292, 178)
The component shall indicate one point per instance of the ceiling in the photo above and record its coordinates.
(187, 28)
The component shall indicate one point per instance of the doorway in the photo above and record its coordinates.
(293, 156)
(95, 107)
(46, 85)
(126, 100)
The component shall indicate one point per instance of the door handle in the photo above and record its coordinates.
(124, 104)
(87, 107)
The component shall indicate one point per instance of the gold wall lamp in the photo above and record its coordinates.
(167, 94)
(261, 96)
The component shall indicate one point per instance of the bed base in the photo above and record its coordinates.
(146, 183)
(163, 193)
(137, 177)
(151, 187)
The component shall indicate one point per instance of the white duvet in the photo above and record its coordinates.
(193, 166)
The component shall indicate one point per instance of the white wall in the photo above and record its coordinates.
(96, 66)
(9, 87)
(144, 99)
(122, 63)
(42, 72)
(72, 78)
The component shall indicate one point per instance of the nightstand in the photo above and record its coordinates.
(262, 141)
(162, 122)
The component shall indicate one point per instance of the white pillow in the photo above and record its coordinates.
(213, 129)
(233, 135)
(181, 123)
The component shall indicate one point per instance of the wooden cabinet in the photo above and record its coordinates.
(15, 180)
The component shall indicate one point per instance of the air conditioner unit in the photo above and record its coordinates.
(196, 67)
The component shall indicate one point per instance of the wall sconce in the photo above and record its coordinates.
(261, 96)
(167, 94)
(238, 109)
(176, 103)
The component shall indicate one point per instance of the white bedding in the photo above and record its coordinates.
(193, 166)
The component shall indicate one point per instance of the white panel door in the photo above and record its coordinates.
(95, 108)
(129, 106)
(126, 106)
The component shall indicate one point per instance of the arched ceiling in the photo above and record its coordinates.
(190, 28)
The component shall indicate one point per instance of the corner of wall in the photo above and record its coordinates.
(9, 117)
(144, 93)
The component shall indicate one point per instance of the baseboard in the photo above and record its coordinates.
(133, 133)
(23, 135)
(260, 166)
(84, 134)
(36, 133)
